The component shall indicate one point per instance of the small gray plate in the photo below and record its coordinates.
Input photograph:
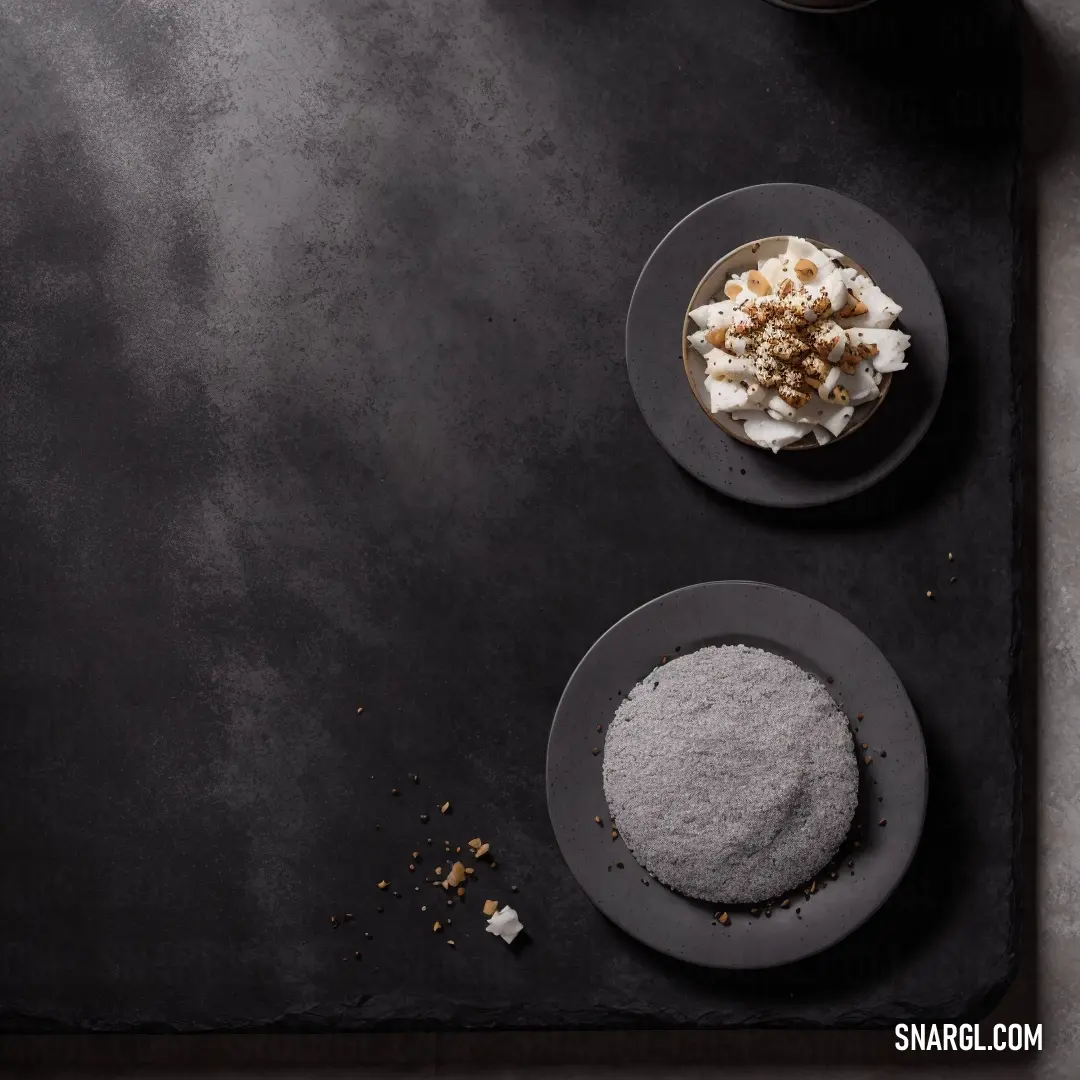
(822, 7)
(862, 681)
(654, 347)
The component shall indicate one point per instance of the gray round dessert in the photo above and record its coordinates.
(731, 774)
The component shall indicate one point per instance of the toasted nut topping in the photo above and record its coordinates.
(732, 289)
(758, 283)
(820, 304)
(825, 348)
(812, 382)
(456, 875)
(490, 907)
(805, 270)
(795, 398)
(867, 350)
(785, 288)
(717, 337)
(860, 308)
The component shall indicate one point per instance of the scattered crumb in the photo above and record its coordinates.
(490, 907)
(384, 884)
(445, 808)
(505, 924)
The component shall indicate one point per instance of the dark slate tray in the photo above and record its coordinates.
(314, 396)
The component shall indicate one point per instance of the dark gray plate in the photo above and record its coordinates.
(654, 346)
(823, 7)
(823, 643)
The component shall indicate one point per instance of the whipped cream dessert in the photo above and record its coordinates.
(793, 347)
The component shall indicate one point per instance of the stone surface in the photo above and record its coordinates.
(313, 397)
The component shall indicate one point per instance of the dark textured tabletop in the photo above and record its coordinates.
(313, 397)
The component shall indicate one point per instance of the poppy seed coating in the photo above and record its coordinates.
(731, 774)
